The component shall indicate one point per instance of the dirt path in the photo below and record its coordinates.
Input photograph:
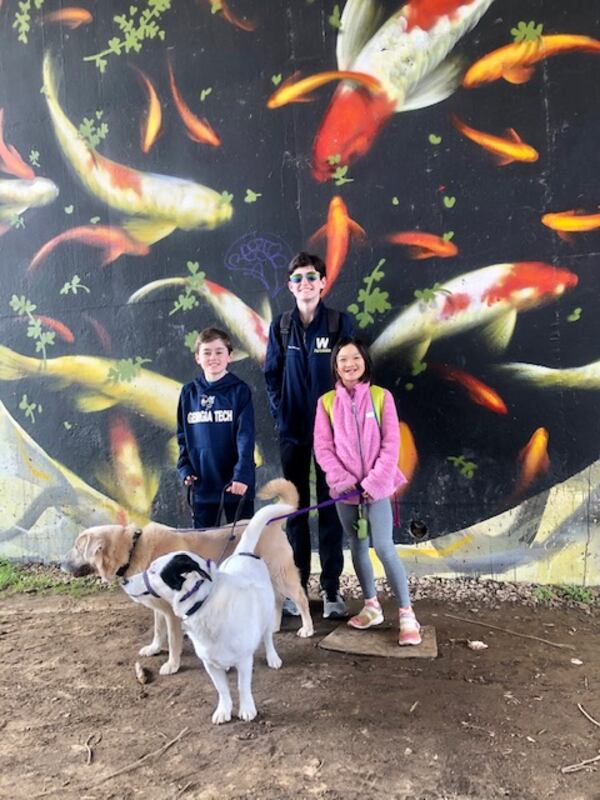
(492, 724)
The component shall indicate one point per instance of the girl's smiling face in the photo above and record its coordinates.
(350, 365)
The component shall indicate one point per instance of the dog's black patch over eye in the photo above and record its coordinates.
(178, 567)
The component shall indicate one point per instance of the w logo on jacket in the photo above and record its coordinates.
(322, 344)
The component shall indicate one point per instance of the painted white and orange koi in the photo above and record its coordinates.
(17, 196)
(71, 17)
(504, 149)
(114, 241)
(515, 62)
(249, 328)
(153, 205)
(152, 121)
(338, 229)
(408, 460)
(407, 53)
(423, 245)
(149, 394)
(199, 130)
(533, 459)
(127, 480)
(585, 378)
(568, 222)
(295, 89)
(488, 298)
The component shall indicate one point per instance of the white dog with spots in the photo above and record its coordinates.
(226, 611)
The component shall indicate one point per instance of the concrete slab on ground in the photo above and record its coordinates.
(380, 641)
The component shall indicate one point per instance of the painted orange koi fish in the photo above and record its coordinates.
(293, 90)
(114, 241)
(10, 160)
(338, 229)
(408, 53)
(566, 222)
(534, 460)
(505, 150)
(198, 130)
(424, 245)
(151, 124)
(408, 460)
(243, 24)
(514, 62)
(70, 17)
(479, 392)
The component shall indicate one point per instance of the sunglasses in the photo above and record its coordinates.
(311, 277)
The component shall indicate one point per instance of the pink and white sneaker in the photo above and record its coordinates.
(410, 630)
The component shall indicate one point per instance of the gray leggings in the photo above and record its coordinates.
(380, 518)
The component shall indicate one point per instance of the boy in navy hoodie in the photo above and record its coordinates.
(215, 433)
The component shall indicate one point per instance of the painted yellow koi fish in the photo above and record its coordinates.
(153, 205)
(16, 196)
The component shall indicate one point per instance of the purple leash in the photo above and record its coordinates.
(324, 504)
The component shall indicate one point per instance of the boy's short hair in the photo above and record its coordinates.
(211, 335)
(361, 347)
(303, 259)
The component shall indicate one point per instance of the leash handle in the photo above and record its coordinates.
(238, 509)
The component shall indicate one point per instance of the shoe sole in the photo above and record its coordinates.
(373, 624)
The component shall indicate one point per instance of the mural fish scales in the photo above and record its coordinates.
(409, 61)
(488, 298)
(154, 205)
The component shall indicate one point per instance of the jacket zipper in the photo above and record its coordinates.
(360, 450)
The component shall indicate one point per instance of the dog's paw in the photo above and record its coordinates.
(150, 650)
(247, 712)
(305, 632)
(169, 668)
(274, 661)
(221, 715)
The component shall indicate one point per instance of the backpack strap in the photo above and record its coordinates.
(333, 321)
(327, 401)
(378, 399)
(285, 325)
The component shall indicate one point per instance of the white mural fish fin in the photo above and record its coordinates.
(437, 86)
(89, 402)
(239, 355)
(416, 352)
(148, 231)
(265, 309)
(360, 20)
(498, 333)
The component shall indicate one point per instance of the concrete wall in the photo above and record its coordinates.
(138, 205)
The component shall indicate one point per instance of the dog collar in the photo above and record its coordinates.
(149, 588)
(193, 590)
(250, 555)
(194, 608)
(122, 570)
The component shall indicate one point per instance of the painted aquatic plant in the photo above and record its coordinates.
(22, 20)
(371, 297)
(135, 29)
(25, 308)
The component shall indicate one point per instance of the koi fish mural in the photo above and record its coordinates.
(488, 299)
(423, 245)
(515, 62)
(153, 206)
(408, 54)
(348, 129)
(338, 230)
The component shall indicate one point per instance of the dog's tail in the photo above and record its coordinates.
(250, 537)
(279, 487)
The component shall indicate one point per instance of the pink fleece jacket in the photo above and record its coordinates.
(355, 449)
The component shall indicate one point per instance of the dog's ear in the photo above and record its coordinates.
(175, 572)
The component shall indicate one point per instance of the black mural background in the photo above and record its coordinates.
(496, 219)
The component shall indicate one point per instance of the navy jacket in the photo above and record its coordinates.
(295, 383)
(215, 433)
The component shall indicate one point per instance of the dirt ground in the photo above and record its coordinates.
(491, 724)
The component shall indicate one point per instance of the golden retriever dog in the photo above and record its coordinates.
(120, 551)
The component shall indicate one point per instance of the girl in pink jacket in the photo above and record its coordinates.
(356, 450)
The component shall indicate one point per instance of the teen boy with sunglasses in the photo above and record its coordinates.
(297, 373)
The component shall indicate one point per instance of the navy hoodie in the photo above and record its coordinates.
(215, 433)
(296, 380)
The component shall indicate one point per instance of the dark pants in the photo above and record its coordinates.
(205, 514)
(295, 461)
